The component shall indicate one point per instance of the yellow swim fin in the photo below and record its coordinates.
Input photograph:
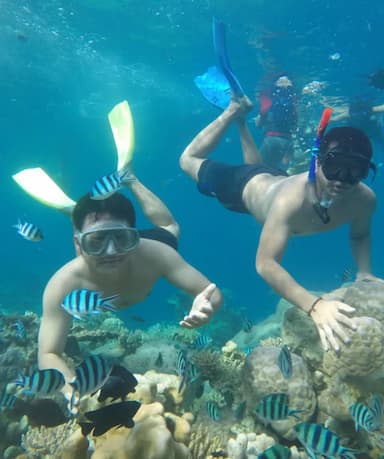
(39, 185)
(121, 121)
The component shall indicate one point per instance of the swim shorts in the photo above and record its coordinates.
(161, 235)
(227, 182)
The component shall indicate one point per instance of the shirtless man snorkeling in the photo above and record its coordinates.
(285, 206)
(115, 258)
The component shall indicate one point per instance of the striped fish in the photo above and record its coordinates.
(29, 231)
(284, 362)
(376, 407)
(42, 382)
(247, 324)
(82, 302)
(201, 342)
(318, 440)
(275, 452)
(362, 416)
(182, 368)
(6, 400)
(248, 350)
(108, 184)
(213, 411)
(275, 407)
(91, 374)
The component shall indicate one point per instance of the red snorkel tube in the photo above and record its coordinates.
(321, 210)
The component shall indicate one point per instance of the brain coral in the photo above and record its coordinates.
(261, 377)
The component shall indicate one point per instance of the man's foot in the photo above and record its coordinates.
(240, 106)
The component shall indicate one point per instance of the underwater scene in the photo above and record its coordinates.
(158, 299)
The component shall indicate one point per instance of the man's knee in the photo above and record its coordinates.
(190, 165)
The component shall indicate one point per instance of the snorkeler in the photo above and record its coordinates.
(112, 256)
(284, 206)
(278, 118)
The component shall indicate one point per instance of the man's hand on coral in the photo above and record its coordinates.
(331, 322)
(202, 309)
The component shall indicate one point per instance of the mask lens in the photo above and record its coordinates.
(95, 243)
(347, 169)
(125, 239)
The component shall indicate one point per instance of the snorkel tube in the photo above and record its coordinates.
(320, 207)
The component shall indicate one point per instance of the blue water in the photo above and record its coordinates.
(65, 64)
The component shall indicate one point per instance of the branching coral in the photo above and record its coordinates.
(203, 441)
(41, 441)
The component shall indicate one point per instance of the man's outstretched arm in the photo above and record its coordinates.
(328, 315)
(207, 297)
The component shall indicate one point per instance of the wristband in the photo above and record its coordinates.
(313, 305)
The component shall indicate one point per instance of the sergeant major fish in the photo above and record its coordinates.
(108, 184)
(318, 440)
(81, 302)
(91, 374)
(284, 360)
(43, 382)
(213, 411)
(29, 231)
(276, 452)
(362, 416)
(275, 407)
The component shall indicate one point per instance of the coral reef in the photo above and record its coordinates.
(205, 440)
(54, 441)
(262, 376)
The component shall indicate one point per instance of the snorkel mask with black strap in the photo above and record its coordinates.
(341, 163)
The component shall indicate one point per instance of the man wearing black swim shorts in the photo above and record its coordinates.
(288, 206)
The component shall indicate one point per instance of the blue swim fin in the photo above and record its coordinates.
(222, 56)
(214, 87)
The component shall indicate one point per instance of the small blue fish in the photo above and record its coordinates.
(43, 382)
(284, 361)
(108, 184)
(275, 407)
(318, 440)
(29, 231)
(362, 416)
(213, 411)
(20, 329)
(248, 350)
(276, 452)
(201, 342)
(82, 302)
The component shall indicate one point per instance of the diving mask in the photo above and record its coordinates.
(348, 168)
(96, 242)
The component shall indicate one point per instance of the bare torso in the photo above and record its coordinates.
(133, 279)
(263, 191)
